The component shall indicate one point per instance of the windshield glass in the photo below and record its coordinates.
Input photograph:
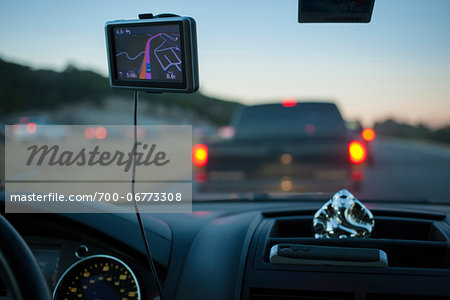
(283, 107)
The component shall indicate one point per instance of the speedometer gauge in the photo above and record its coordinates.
(98, 277)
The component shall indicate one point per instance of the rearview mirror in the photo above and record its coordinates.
(335, 11)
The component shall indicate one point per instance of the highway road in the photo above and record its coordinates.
(408, 170)
(403, 170)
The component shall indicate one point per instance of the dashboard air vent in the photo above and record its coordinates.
(408, 242)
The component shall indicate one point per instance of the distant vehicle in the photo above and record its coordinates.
(36, 128)
(287, 147)
(365, 135)
(354, 128)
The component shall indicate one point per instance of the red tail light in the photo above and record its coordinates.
(31, 128)
(201, 177)
(89, 133)
(200, 155)
(368, 134)
(101, 133)
(357, 152)
(289, 102)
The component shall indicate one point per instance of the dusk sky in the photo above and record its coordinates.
(255, 51)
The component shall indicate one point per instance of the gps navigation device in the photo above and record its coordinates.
(155, 55)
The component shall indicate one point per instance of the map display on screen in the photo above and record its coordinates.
(151, 53)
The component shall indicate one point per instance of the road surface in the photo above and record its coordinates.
(405, 169)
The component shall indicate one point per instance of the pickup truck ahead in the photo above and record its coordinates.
(295, 147)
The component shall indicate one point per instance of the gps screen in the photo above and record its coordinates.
(150, 53)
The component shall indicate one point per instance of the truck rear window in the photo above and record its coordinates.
(304, 120)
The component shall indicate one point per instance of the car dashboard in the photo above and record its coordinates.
(221, 251)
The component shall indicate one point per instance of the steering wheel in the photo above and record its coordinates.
(18, 267)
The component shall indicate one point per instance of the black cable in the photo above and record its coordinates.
(141, 224)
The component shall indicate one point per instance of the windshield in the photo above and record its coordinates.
(283, 107)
